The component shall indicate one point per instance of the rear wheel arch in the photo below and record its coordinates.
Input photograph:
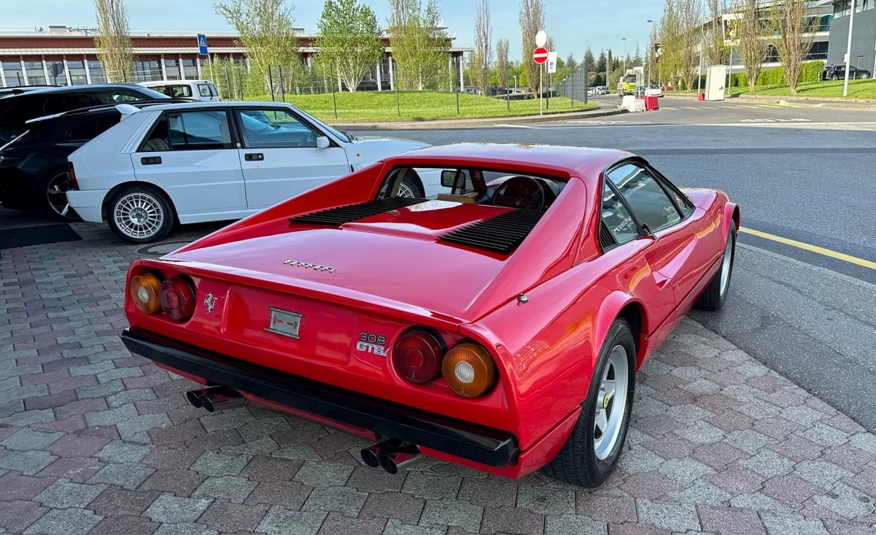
(634, 314)
(414, 177)
(621, 305)
(134, 183)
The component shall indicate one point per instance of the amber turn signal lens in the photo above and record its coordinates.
(468, 370)
(144, 291)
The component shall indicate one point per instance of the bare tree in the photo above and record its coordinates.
(794, 35)
(715, 50)
(265, 28)
(531, 22)
(669, 37)
(482, 56)
(753, 40)
(502, 62)
(113, 40)
(689, 13)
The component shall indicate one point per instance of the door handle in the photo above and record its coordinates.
(150, 160)
(254, 157)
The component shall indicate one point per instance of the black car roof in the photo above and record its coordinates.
(85, 88)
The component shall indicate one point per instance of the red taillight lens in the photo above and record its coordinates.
(177, 299)
(417, 356)
(71, 174)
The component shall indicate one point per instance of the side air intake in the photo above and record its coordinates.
(337, 216)
(502, 233)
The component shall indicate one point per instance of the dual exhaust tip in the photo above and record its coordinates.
(392, 455)
(215, 398)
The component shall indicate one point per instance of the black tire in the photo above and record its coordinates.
(412, 183)
(52, 188)
(864, 76)
(166, 207)
(714, 295)
(577, 463)
(834, 78)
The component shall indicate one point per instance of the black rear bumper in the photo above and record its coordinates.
(455, 437)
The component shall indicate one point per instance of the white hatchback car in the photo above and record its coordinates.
(202, 161)
(202, 90)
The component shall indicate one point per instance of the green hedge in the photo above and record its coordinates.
(811, 72)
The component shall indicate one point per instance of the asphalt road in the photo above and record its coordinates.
(808, 316)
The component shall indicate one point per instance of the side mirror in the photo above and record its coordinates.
(448, 178)
(322, 142)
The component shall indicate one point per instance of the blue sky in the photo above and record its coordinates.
(574, 24)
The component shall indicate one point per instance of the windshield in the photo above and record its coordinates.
(338, 134)
(629, 79)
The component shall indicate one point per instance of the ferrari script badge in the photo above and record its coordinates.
(308, 265)
(284, 322)
(210, 302)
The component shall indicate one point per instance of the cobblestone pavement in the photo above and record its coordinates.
(94, 440)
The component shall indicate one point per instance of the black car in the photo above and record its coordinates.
(16, 110)
(33, 166)
(20, 90)
(838, 72)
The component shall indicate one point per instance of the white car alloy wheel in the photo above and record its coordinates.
(404, 190)
(611, 403)
(138, 215)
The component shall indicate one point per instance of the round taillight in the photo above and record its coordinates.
(144, 290)
(417, 356)
(177, 299)
(468, 370)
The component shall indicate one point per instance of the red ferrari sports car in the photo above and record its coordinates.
(498, 325)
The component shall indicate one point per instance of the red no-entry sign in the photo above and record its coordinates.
(540, 55)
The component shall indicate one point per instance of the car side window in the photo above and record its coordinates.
(266, 129)
(645, 196)
(117, 97)
(616, 217)
(62, 103)
(179, 91)
(159, 138)
(199, 130)
(204, 90)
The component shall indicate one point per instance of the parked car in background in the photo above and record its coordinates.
(653, 90)
(16, 110)
(33, 166)
(20, 90)
(499, 326)
(211, 161)
(838, 72)
(202, 90)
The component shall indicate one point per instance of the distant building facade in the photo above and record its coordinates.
(863, 53)
(60, 55)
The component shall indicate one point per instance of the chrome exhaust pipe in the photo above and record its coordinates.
(371, 454)
(400, 459)
(215, 398)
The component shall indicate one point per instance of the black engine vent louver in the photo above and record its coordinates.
(502, 233)
(606, 239)
(339, 215)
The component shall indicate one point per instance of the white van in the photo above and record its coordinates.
(202, 90)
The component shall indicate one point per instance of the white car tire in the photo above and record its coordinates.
(140, 214)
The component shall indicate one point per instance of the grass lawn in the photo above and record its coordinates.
(421, 105)
(857, 89)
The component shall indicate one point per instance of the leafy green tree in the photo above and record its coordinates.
(419, 48)
(266, 31)
(571, 63)
(349, 40)
(600, 63)
(589, 62)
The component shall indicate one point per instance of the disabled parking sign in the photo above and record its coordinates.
(202, 45)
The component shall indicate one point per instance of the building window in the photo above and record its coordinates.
(57, 75)
(818, 51)
(190, 69)
(13, 74)
(77, 72)
(147, 71)
(95, 69)
(34, 73)
(171, 67)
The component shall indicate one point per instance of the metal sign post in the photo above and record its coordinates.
(849, 50)
(540, 56)
(204, 51)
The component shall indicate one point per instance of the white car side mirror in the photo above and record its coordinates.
(322, 142)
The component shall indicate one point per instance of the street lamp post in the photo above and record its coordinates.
(849, 50)
(650, 50)
(624, 39)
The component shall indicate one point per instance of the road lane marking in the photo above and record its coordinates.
(668, 108)
(520, 126)
(811, 248)
(691, 108)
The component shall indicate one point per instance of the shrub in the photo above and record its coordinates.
(812, 71)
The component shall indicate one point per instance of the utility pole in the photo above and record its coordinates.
(849, 50)
(624, 39)
(607, 66)
(700, 71)
(650, 50)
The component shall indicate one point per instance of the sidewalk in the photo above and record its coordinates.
(96, 441)
(472, 123)
(814, 102)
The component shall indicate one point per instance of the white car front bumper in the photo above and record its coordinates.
(88, 204)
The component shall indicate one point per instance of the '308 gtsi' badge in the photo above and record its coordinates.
(284, 322)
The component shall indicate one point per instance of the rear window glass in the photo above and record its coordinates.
(204, 90)
(175, 91)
